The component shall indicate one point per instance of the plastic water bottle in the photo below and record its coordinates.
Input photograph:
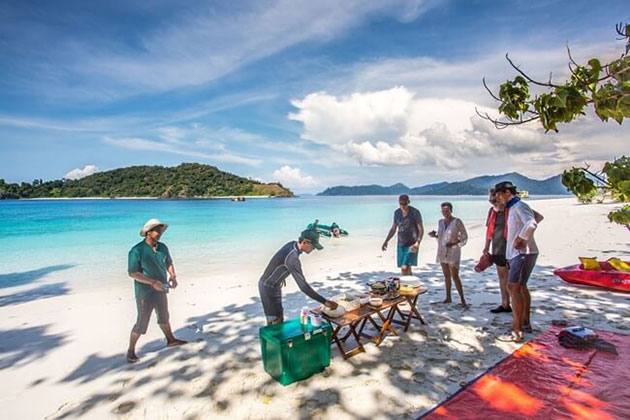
(304, 316)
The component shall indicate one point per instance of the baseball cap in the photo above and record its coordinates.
(313, 237)
(505, 186)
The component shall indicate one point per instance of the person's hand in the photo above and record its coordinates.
(451, 244)
(519, 243)
(173, 281)
(330, 304)
(414, 248)
(158, 286)
(433, 234)
(485, 251)
(384, 247)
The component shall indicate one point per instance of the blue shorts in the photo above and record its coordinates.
(406, 257)
(521, 268)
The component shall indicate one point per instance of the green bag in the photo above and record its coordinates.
(292, 351)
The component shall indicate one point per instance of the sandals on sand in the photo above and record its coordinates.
(527, 329)
(512, 337)
(176, 342)
(131, 357)
(499, 309)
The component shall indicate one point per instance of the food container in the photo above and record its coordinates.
(364, 300)
(378, 287)
(376, 301)
(334, 313)
(316, 320)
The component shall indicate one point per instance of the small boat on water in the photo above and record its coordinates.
(238, 198)
(607, 276)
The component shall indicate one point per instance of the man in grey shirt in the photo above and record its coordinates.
(287, 261)
(408, 222)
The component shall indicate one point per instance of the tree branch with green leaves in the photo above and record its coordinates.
(605, 86)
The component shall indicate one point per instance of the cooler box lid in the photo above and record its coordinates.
(289, 330)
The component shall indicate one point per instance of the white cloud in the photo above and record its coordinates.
(81, 172)
(380, 154)
(293, 177)
(394, 127)
(195, 45)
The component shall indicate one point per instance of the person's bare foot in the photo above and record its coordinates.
(131, 357)
(175, 342)
(447, 300)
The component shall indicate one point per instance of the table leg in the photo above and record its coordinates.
(385, 327)
(338, 341)
(413, 311)
(384, 319)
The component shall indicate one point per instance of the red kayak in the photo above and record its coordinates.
(606, 277)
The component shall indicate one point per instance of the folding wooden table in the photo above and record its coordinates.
(356, 321)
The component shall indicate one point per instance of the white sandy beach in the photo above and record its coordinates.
(62, 357)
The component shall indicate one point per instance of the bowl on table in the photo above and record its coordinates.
(334, 313)
(364, 300)
(376, 301)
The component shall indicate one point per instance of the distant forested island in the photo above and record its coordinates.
(473, 186)
(188, 180)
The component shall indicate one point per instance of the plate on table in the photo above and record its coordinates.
(334, 313)
(412, 281)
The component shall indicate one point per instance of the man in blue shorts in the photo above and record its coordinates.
(408, 223)
(521, 252)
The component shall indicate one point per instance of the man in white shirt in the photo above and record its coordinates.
(521, 253)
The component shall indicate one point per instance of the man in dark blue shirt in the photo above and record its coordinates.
(408, 223)
(287, 261)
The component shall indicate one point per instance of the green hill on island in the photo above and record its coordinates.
(188, 180)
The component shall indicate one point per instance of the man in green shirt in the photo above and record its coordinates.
(149, 264)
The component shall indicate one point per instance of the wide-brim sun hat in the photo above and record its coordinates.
(150, 225)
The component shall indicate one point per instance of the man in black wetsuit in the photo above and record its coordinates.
(287, 261)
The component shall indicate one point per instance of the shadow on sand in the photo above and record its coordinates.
(219, 373)
(23, 345)
(27, 277)
(37, 293)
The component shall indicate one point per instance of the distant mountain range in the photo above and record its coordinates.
(473, 186)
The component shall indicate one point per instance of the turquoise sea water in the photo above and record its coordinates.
(86, 241)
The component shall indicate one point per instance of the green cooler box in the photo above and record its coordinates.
(292, 351)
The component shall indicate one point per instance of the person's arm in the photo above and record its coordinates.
(391, 233)
(416, 245)
(170, 268)
(526, 215)
(486, 247)
(462, 235)
(537, 216)
(172, 277)
(156, 284)
(295, 268)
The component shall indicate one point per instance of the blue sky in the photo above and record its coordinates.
(311, 94)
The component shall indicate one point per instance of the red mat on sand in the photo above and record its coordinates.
(543, 380)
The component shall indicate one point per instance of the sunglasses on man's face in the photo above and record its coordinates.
(403, 203)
